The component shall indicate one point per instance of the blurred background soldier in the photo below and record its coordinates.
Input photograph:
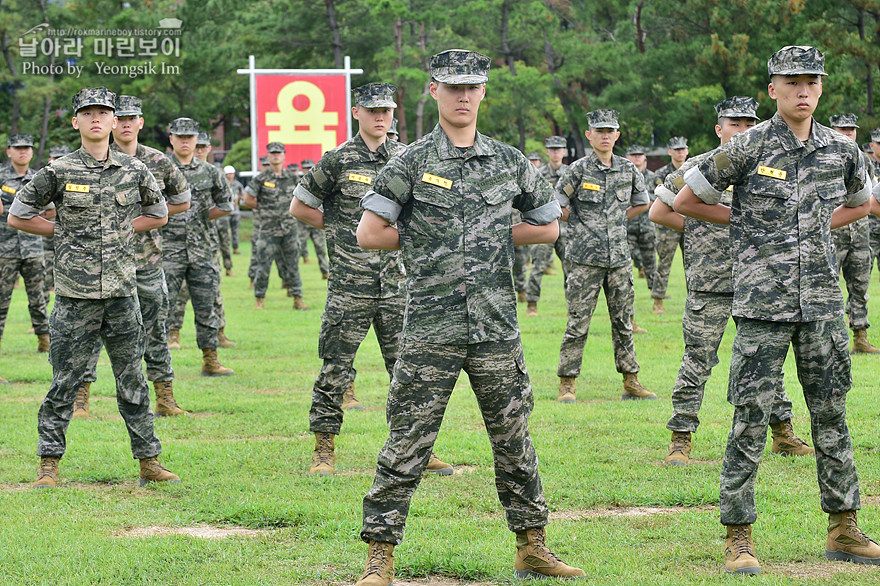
(667, 239)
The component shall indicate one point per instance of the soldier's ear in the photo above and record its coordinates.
(771, 91)
(75, 123)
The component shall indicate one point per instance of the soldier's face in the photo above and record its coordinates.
(183, 144)
(602, 139)
(556, 156)
(127, 128)
(374, 122)
(678, 156)
(847, 131)
(730, 127)
(875, 146)
(458, 105)
(202, 151)
(640, 161)
(796, 95)
(20, 155)
(276, 158)
(94, 122)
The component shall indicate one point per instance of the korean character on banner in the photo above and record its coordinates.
(102, 47)
(50, 46)
(125, 46)
(27, 48)
(72, 47)
(148, 47)
(171, 46)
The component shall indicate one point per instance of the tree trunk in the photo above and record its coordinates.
(16, 85)
(869, 70)
(508, 57)
(426, 92)
(640, 32)
(47, 101)
(334, 28)
(401, 91)
(552, 67)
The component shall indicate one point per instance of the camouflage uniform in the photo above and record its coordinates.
(235, 217)
(666, 241)
(49, 241)
(786, 292)
(640, 230)
(874, 221)
(542, 254)
(453, 213)
(318, 240)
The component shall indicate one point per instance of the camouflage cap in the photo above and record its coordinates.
(555, 142)
(460, 67)
(875, 135)
(274, 147)
(846, 120)
(393, 129)
(533, 157)
(128, 106)
(797, 60)
(307, 164)
(866, 147)
(677, 142)
(93, 96)
(737, 107)
(375, 95)
(185, 126)
(603, 119)
(635, 149)
(20, 140)
(293, 166)
(264, 160)
(203, 139)
(56, 152)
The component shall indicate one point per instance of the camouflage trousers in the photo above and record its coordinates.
(203, 282)
(542, 256)
(582, 293)
(284, 250)
(318, 241)
(854, 259)
(705, 318)
(874, 223)
(642, 245)
(49, 261)
(33, 272)
(153, 302)
(255, 238)
(224, 237)
(75, 327)
(667, 241)
(234, 225)
(344, 325)
(521, 257)
(423, 379)
(821, 351)
(178, 312)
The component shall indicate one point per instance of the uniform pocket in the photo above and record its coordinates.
(744, 368)
(399, 410)
(331, 331)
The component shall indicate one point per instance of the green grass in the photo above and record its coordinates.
(243, 459)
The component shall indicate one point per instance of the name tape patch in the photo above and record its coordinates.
(360, 178)
(771, 172)
(268, 184)
(76, 188)
(438, 181)
(591, 187)
(8, 189)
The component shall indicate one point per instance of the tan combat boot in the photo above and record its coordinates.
(324, 456)
(223, 341)
(637, 329)
(439, 467)
(325, 276)
(861, 345)
(153, 471)
(679, 449)
(211, 365)
(42, 343)
(349, 400)
(633, 389)
(229, 273)
(259, 302)
(174, 339)
(739, 551)
(380, 565)
(534, 560)
(299, 304)
(47, 475)
(520, 296)
(532, 309)
(251, 286)
(847, 543)
(166, 406)
(566, 390)
(643, 274)
(81, 403)
(658, 307)
(785, 442)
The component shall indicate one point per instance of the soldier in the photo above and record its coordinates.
(272, 193)
(102, 198)
(152, 292)
(318, 238)
(237, 194)
(21, 253)
(874, 222)
(853, 245)
(450, 195)
(204, 151)
(793, 181)
(640, 230)
(55, 152)
(708, 269)
(598, 194)
(365, 287)
(392, 132)
(190, 242)
(667, 240)
(535, 159)
(542, 254)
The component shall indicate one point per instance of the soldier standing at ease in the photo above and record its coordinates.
(318, 237)
(873, 220)
(708, 267)
(102, 198)
(640, 230)
(204, 152)
(237, 194)
(667, 240)
(793, 180)
(365, 286)
(598, 194)
(55, 152)
(450, 195)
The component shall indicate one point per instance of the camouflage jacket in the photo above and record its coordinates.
(784, 191)
(95, 203)
(452, 207)
(190, 237)
(598, 197)
(338, 182)
(15, 243)
(552, 176)
(274, 194)
(237, 190)
(173, 186)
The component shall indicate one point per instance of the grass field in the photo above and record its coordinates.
(244, 454)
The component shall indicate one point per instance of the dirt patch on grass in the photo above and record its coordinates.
(14, 487)
(20, 399)
(624, 512)
(870, 500)
(822, 570)
(436, 581)
(200, 531)
(267, 391)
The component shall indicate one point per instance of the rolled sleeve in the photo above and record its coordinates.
(562, 199)
(155, 210)
(875, 191)
(701, 186)
(180, 198)
(249, 190)
(639, 199)
(381, 206)
(858, 198)
(664, 194)
(543, 214)
(306, 196)
(225, 206)
(23, 210)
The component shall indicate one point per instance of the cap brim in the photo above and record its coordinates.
(800, 72)
(735, 114)
(462, 79)
(128, 113)
(378, 104)
(95, 103)
(606, 125)
(20, 144)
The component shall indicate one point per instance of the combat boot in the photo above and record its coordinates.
(211, 365)
(643, 274)
(299, 304)
(324, 456)
(532, 309)
(566, 390)
(534, 560)
(349, 401)
(861, 345)
(785, 442)
(679, 449)
(251, 286)
(42, 343)
(658, 307)
(223, 341)
(174, 339)
(739, 551)
(48, 473)
(259, 302)
(847, 543)
(520, 296)
(81, 403)
(637, 329)
(153, 471)
(325, 276)
(380, 565)
(229, 273)
(439, 467)
(166, 406)
(633, 389)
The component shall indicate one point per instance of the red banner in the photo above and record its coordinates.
(307, 113)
